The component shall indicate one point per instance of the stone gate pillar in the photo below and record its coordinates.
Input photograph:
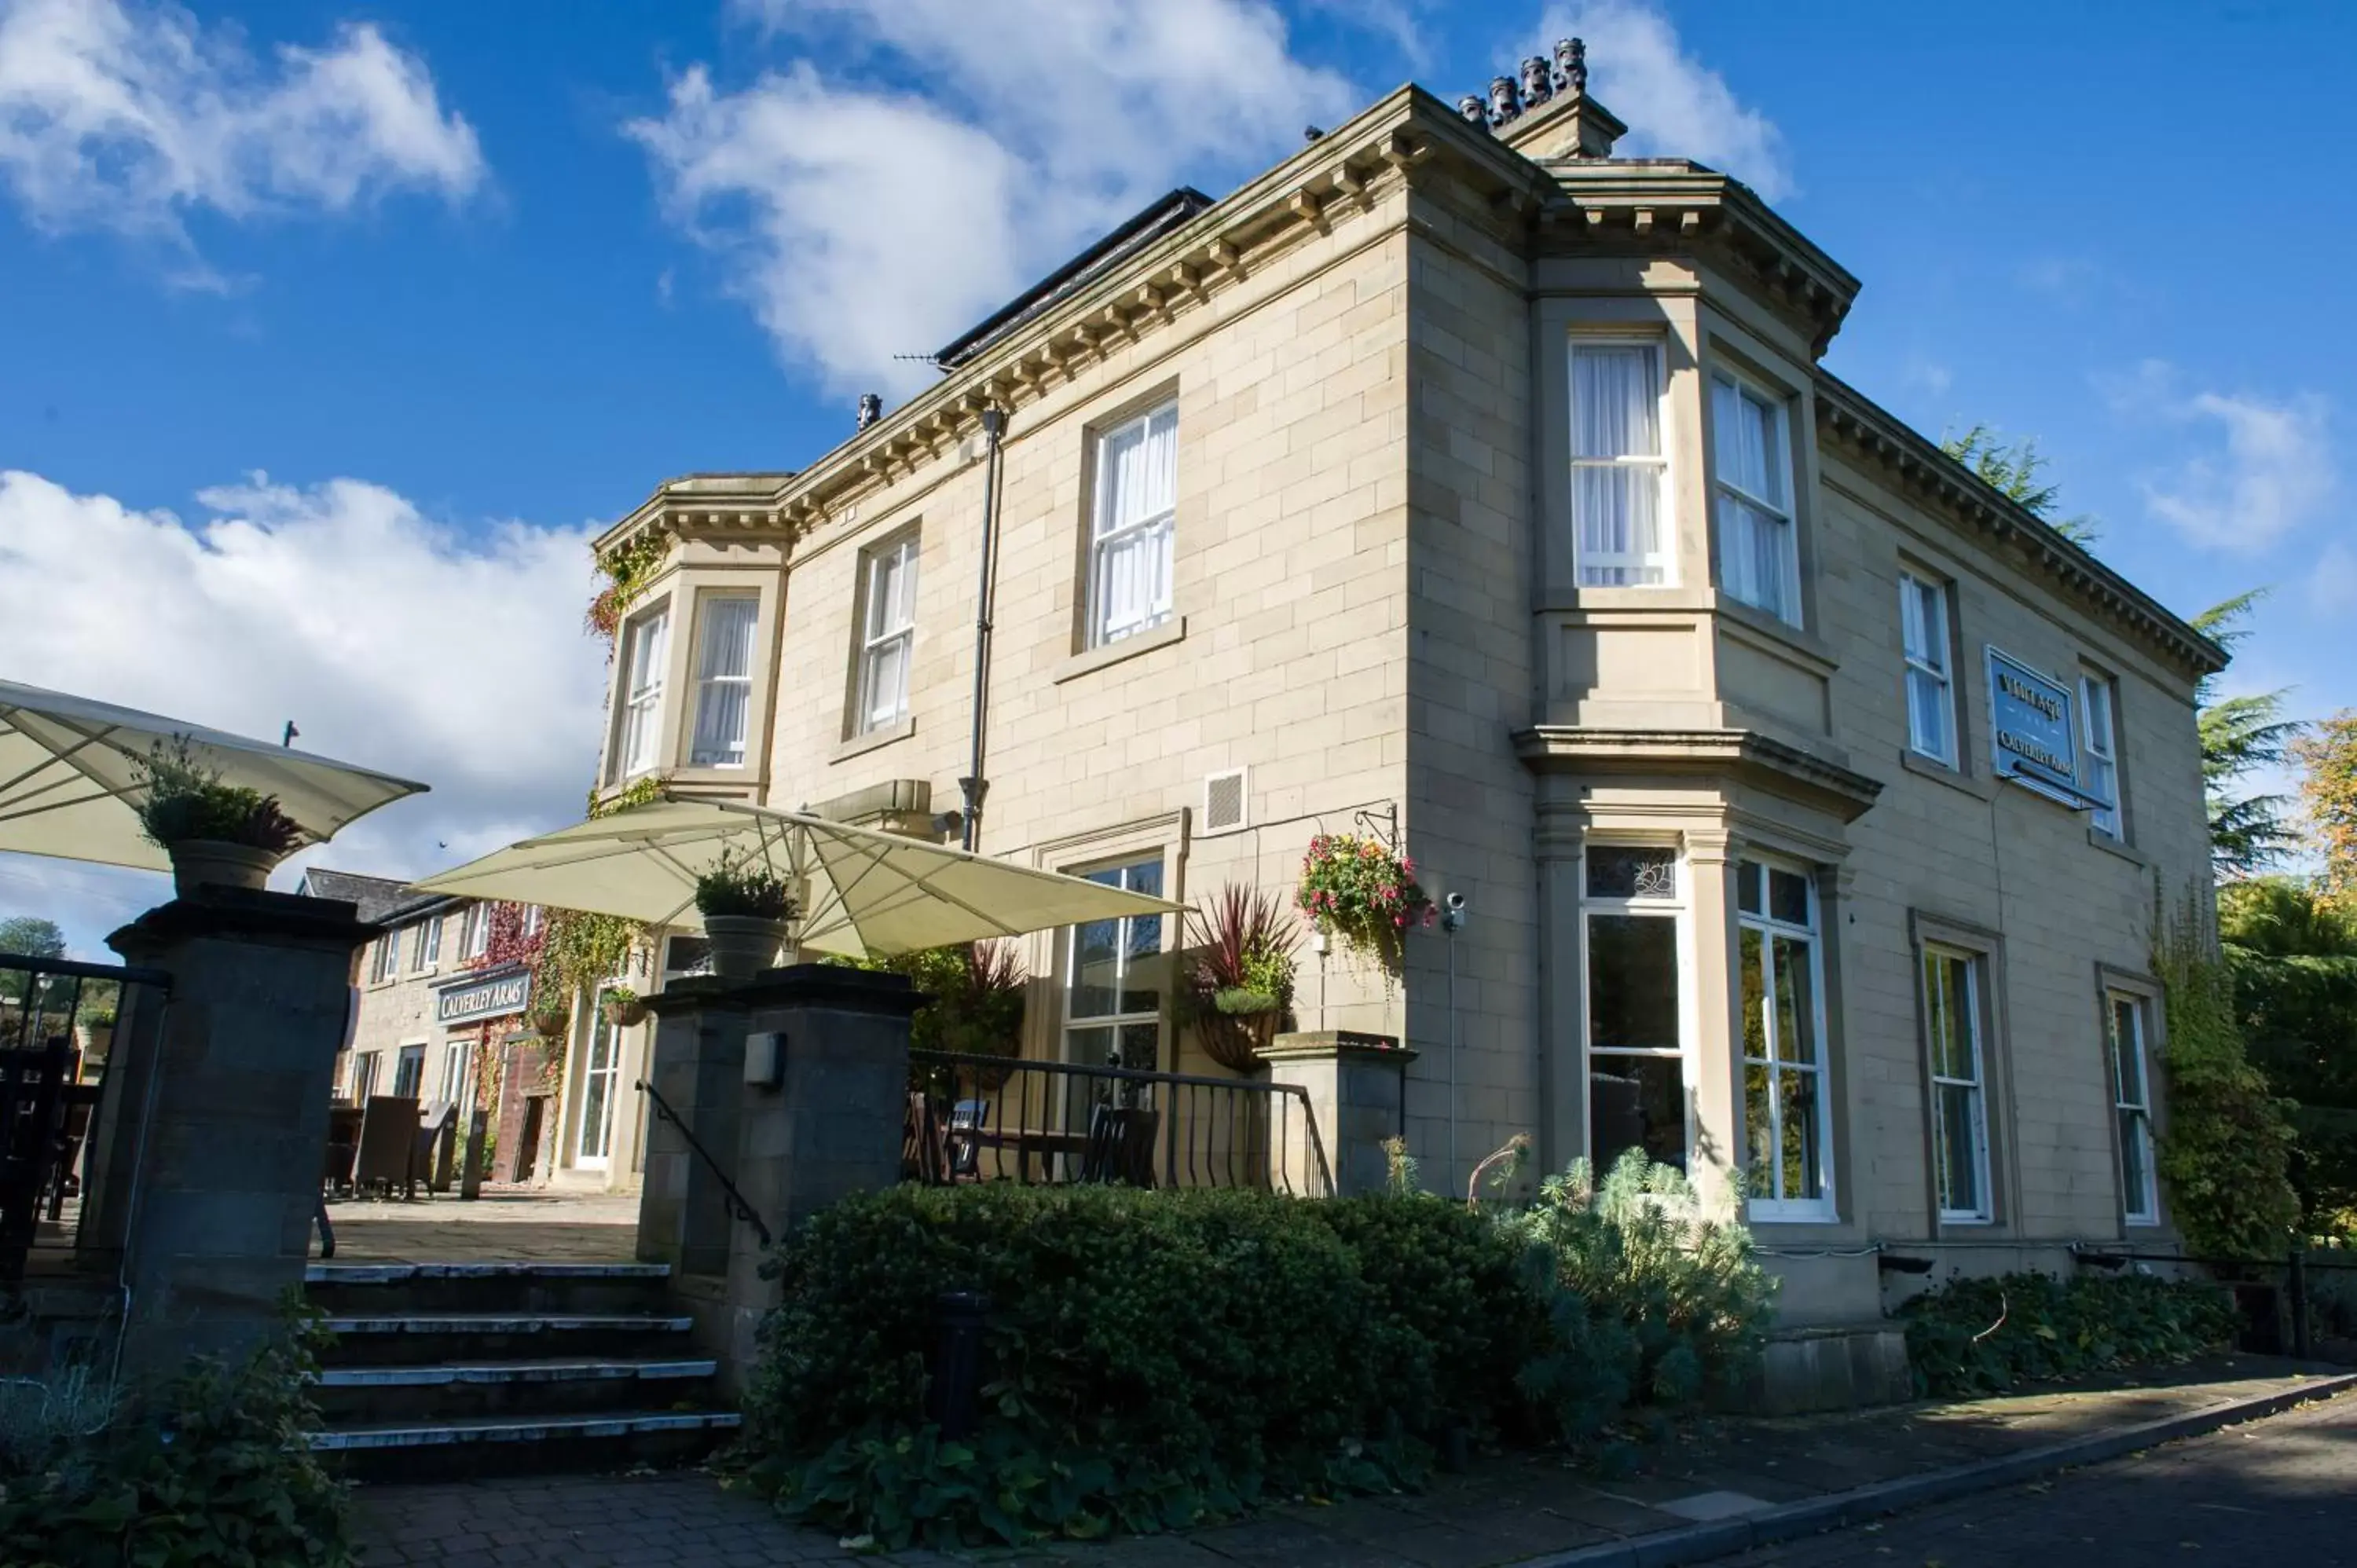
(1356, 1089)
(235, 1078)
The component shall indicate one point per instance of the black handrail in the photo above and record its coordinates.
(737, 1206)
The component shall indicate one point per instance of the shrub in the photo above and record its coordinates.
(219, 1473)
(1672, 1305)
(746, 890)
(1236, 980)
(1152, 1359)
(1984, 1335)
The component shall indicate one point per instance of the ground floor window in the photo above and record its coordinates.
(454, 1071)
(1633, 918)
(363, 1077)
(1113, 979)
(409, 1072)
(600, 1066)
(1785, 1103)
(2132, 1103)
(1960, 1153)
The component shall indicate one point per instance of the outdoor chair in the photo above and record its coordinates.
(1121, 1145)
(343, 1145)
(430, 1128)
(924, 1143)
(388, 1144)
(961, 1145)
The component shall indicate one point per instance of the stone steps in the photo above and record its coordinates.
(442, 1370)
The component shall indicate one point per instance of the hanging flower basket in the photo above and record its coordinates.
(622, 1006)
(1360, 889)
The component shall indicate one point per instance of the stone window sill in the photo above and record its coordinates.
(875, 740)
(1922, 766)
(2111, 846)
(1130, 647)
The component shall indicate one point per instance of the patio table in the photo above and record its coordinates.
(1026, 1142)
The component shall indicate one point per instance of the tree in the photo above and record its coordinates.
(2293, 956)
(28, 937)
(2013, 470)
(2248, 833)
(2328, 757)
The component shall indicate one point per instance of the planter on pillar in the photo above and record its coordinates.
(1356, 1089)
(217, 1152)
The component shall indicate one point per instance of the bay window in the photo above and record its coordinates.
(1633, 913)
(1786, 1106)
(887, 634)
(646, 643)
(724, 679)
(1960, 1152)
(1758, 557)
(1931, 682)
(1130, 532)
(1618, 467)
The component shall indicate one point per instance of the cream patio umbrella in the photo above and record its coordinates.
(868, 894)
(70, 778)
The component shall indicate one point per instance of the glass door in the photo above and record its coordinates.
(599, 1067)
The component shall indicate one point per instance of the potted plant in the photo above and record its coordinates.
(217, 835)
(748, 909)
(551, 1023)
(1361, 890)
(622, 1006)
(1237, 980)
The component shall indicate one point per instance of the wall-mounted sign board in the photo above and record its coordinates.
(2034, 735)
(472, 1000)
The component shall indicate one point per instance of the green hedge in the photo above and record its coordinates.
(1985, 1336)
(1154, 1358)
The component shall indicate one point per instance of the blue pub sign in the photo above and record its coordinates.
(2031, 723)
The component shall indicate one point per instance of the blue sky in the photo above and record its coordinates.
(332, 331)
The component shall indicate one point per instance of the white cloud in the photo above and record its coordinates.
(2332, 581)
(1674, 105)
(2259, 468)
(862, 220)
(128, 117)
(392, 641)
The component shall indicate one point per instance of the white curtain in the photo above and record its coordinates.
(1138, 485)
(1755, 542)
(1615, 502)
(892, 621)
(1922, 632)
(650, 644)
(723, 680)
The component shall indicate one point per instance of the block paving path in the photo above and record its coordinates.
(1505, 1510)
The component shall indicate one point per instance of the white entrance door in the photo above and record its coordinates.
(599, 1071)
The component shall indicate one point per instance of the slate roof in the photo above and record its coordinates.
(381, 899)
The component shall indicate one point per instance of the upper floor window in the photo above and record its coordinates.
(724, 679)
(2132, 1103)
(1785, 1105)
(474, 932)
(1960, 1144)
(425, 946)
(534, 916)
(1130, 532)
(887, 634)
(1759, 558)
(1617, 465)
(385, 958)
(1931, 684)
(646, 650)
(1634, 913)
(2099, 755)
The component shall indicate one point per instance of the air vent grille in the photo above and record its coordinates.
(1223, 800)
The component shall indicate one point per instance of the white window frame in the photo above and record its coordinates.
(1115, 1021)
(399, 1052)
(875, 640)
(457, 1068)
(2099, 753)
(431, 941)
(1664, 559)
(1771, 1208)
(534, 916)
(364, 1074)
(1724, 490)
(2139, 1201)
(1925, 647)
(708, 686)
(1678, 909)
(384, 961)
(1976, 1029)
(1101, 543)
(474, 931)
(639, 707)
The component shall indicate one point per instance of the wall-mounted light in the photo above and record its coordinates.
(765, 1061)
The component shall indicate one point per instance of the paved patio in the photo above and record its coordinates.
(534, 1225)
(1506, 1510)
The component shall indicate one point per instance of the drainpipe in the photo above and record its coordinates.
(974, 786)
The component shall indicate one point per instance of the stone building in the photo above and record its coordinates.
(1458, 481)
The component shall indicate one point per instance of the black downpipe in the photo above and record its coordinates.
(974, 785)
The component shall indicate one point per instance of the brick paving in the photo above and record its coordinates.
(516, 1225)
(2279, 1491)
(1505, 1510)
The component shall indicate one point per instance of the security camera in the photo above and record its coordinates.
(1452, 913)
(1455, 901)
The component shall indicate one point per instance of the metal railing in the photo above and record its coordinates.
(59, 1020)
(737, 1207)
(982, 1119)
(2303, 1304)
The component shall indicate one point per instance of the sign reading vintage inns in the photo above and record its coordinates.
(468, 1000)
(2031, 718)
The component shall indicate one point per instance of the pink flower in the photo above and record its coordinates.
(1400, 920)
